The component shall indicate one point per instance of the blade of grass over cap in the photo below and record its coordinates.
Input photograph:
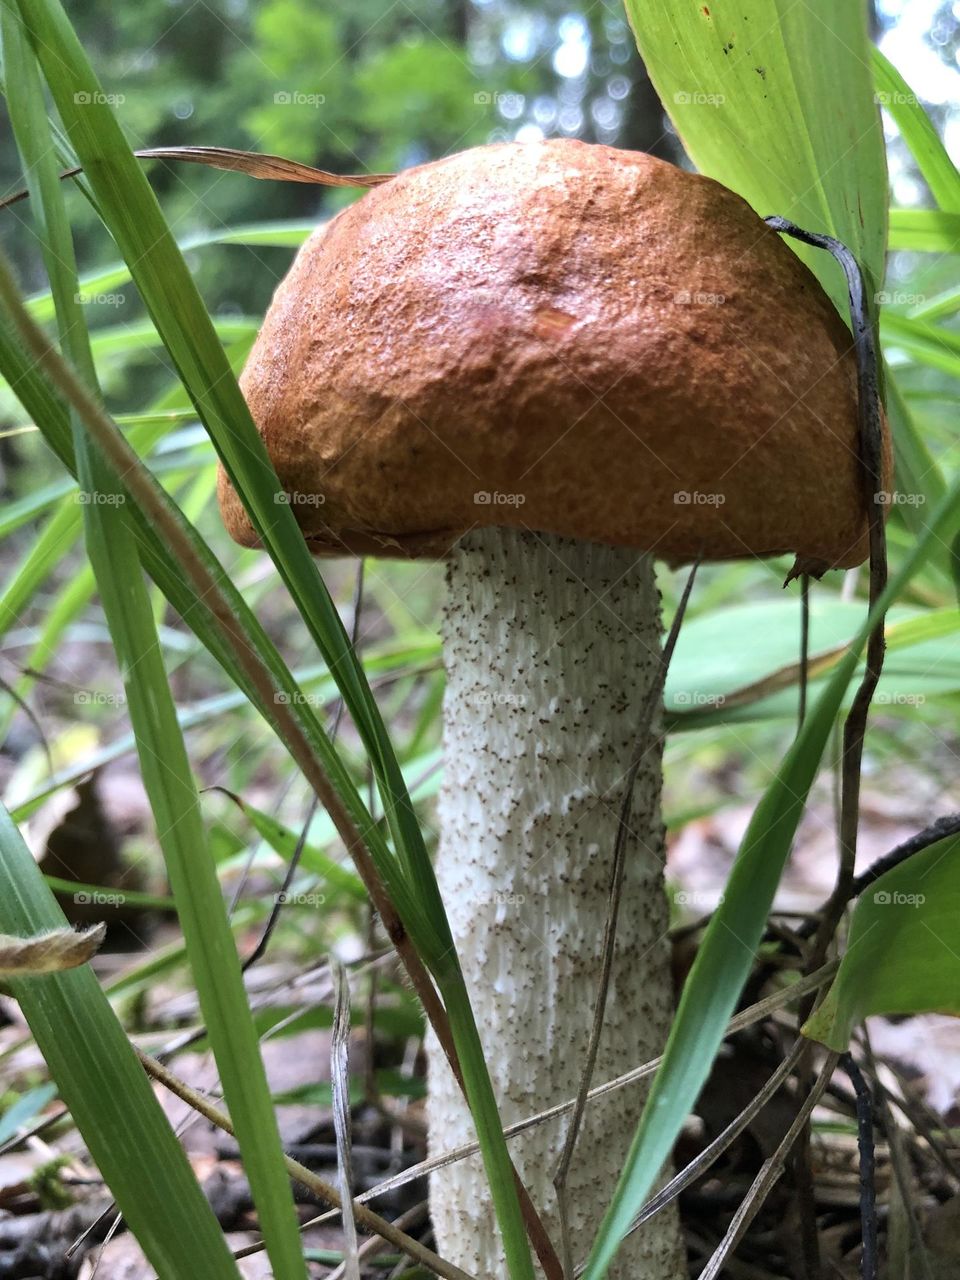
(164, 764)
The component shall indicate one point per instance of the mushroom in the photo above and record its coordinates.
(550, 363)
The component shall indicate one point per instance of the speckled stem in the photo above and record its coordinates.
(550, 647)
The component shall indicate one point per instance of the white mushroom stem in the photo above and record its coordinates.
(551, 647)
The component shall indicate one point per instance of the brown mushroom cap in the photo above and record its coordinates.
(563, 337)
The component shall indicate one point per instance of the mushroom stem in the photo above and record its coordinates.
(551, 646)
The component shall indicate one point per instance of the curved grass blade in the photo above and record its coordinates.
(916, 127)
(274, 235)
(164, 764)
(925, 230)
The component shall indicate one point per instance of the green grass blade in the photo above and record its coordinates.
(901, 955)
(274, 235)
(134, 218)
(931, 344)
(925, 230)
(169, 783)
(32, 505)
(165, 766)
(916, 127)
(916, 470)
(284, 842)
(727, 952)
(46, 551)
(70, 600)
(103, 1084)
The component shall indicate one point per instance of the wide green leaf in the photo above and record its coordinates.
(902, 954)
(776, 100)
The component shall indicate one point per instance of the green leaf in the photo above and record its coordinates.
(282, 235)
(776, 100)
(715, 678)
(902, 955)
(915, 468)
(925, 230)
(284, 842)
(25, 1110)
(931, 344)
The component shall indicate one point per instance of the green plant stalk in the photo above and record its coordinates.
(164, 762)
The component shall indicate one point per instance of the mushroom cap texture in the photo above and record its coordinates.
(563, 337)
